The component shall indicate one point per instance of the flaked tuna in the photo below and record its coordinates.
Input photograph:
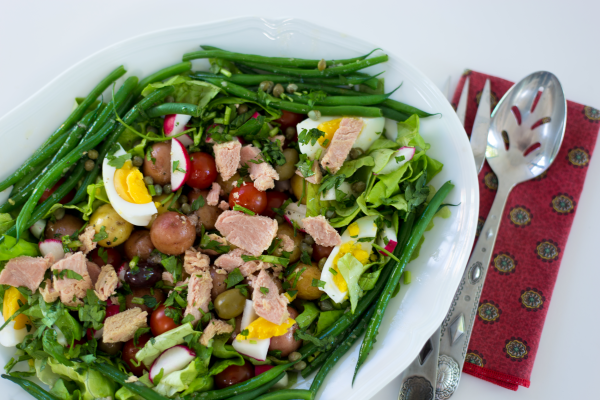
(213, 196)
(317, 176)
(319, 228)
(26, 271)
(341, 144)
(199, 288)
(231, 260)
(87, 240)
(268, 303)
(263, 174)
(49, 294)
(122, 326)
(227, 158)
(215, 327)
(251, 267)
(195, 262)
(287, 243)
(223, 205)
(251, 233)
(72, 290)
(107, 282)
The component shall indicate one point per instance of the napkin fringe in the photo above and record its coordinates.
(495, 377)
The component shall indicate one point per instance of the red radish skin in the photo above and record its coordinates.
(259, 369)
(173, 359)
(54, 247)
(296, 213)
(389, 247)
(179, 175)
(175, 124)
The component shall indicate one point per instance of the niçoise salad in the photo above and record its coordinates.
(212, 234)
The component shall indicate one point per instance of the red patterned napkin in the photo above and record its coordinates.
(528, 252)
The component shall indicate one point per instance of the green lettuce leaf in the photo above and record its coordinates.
(310, 313)
(314, 205)
(187, 90)
(227, 354)
(65, 390)
(153, 348)
(177, 381)
(200, 384)
(45, 374)
(382, 143)
(93, 384)
(368, 280)
(381, 157)
(351, 269)
(6, 222)
(408, 133)
(327, 318)
(10, 248)
(351, 166)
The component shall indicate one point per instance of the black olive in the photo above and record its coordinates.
(144, 275)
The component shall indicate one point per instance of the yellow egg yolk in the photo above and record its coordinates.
(11, 305)
(353, 229)
(129, 184)
(357, 251)
(329, 128)
(263, 329)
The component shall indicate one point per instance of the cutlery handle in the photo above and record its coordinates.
(458, 324)
(419, 379)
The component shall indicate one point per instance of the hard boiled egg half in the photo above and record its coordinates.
(16, 330)
(372, 128)
(127, 192)
(363, 228)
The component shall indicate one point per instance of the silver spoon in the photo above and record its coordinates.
(523, 140)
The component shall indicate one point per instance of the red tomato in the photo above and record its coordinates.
(249, 197)
(160, 323)
(129, 352)
(234, 374)
(48, 192)
(320, 251)
(290, 119)
(274, 200)
(204, 170)
(111, 255)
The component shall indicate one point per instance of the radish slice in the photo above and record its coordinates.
(174, 359)
(180, 165)
(392, 165)
(255, 348)
(175, 124)
(37, 228)
(296, 213)
(259, 369)
(390, 234)
(255, 115)
(54, 247)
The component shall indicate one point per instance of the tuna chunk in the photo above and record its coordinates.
(168, 277)
(216, 238)
(231, 260)
(195, 262)
(87, 240)
(320, 230)
(213, 196)
(270, 305)
(252, 233)
(227, 158)
(215, 327)
(25, 271)
(341, 144)
(223, 205)
(281, 139)
(107, 282)
(263, 174)
(199, 288)
(317, 177)
(48, 293)
(287, 243)
(72, 290)
(251, 267)
(122, 327)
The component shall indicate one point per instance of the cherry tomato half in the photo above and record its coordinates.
(204, 170)
(105, 255)
(129, 352)
(248, 197)
(160, 322)
(290, 119)
(274, 200)
(48, 192)
(234, 374)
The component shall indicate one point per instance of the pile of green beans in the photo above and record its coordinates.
(121, 378)
(32, 388)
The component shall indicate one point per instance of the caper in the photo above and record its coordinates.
(308, 240)
(300, 366)
(291, 88)
(89, 165)
(169, 99)
(330, 214)
(278, 90)
(167, 189)
(266, 86)
(290, 132)
(242, 109)
(183, 199)
(158, 190)
(151, 129)
(279, 219)
(137, 161)
(305, 247)
(356, 152)
(322, 262)
(358, 187)
(326, 305)
(185, 208)
(149, 181)
(230, 304)
(93, 154)
(294, 356)
(322, 65)
(315, 115)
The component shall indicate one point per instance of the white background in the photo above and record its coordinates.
(510, 39)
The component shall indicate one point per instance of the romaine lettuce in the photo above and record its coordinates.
(153, 348)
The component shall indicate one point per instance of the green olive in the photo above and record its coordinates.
(110, 348)
(287, 170)
(230, 304)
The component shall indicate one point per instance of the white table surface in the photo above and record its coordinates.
(510, 39)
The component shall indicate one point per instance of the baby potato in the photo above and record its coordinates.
(117, 228)
(298, 185)
(306, 290)
(287, 229)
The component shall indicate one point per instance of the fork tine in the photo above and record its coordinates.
(461, 109)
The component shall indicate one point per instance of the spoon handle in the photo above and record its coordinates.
(458, 324)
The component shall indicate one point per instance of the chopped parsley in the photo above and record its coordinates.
(318, 283)
(103, 254)
(333, 271)
(176, 167)
(233, 278)
(67, 273)
(305, 166)
(305, 257)
(310, 136)
(331, 181)
(237, 207)
(264, 290)
(199, 202)
(243, 289)
(119, 161)
(100, 235)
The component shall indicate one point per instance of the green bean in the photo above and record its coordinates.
(393, 114)
(31, 388)
(121, 378)
(368, 100)
(163, 74)
(81, 108)
(339, 352)
(288, 394)
(28, 166)
(255, 79)
(173, 108)
(214, 52)
(315, 73)
(54, 173)
(405, 108)
(329, 89)
(392, 282)
(257, 392)
(74, 136)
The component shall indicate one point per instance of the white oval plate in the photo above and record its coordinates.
(421, 306)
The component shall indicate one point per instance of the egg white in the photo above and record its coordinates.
(136, 214)
(371, 131)
(367, 228)
(256, 348)
(9, 336)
